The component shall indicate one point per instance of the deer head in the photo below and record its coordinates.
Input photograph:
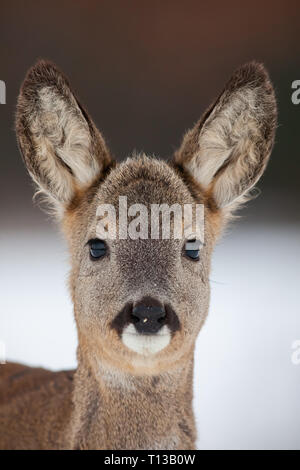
(140, 303)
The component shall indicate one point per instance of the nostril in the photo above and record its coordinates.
(148, 319)
(134, 318)
(162, 318)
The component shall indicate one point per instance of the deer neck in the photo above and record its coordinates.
(116, 410)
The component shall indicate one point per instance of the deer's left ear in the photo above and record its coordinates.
(228, 149)
(60, 144)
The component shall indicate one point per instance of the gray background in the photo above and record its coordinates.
(146, 71)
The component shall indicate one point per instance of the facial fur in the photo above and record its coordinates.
(135, 269)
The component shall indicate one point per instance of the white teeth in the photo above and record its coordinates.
(146, 344)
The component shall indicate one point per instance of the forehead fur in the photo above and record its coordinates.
(143, 180)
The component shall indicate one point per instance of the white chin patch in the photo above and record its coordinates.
(146, 344)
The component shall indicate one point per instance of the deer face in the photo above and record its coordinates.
(140, 301)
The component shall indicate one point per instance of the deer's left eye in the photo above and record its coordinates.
(98, 248)
(192, 249)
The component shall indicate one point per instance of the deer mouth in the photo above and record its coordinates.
(147, 326)
(146, 344)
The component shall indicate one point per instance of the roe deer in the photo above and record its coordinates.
(139, 304)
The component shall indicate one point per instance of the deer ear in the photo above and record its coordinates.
(228, 149)
(60, 144)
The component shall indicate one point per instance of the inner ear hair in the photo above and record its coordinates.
(228, 149)
(61, 146)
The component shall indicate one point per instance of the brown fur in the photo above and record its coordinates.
(118, 398)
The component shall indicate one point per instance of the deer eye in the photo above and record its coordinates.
(192, 249)
(98, 248)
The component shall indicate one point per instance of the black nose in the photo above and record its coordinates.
(148, 317)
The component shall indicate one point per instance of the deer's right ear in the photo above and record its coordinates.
(228, 149)
(61, 146)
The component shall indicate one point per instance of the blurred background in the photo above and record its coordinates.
(146, 71)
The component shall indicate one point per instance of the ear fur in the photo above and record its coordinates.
(61, 146)
(228, 149)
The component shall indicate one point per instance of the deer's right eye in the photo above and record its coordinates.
(98, 248)
(192, 249)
